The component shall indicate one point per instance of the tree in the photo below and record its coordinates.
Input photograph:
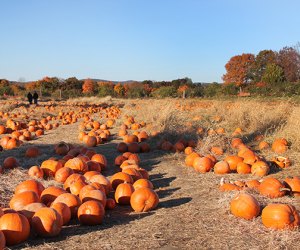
(288, 59)
(182, 90)
(263, 58)
(88, 86)
(238, 69)
(119, 89)
(273, 74)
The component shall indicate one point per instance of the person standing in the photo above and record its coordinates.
(29, 97)
(35, 97)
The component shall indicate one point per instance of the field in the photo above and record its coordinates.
(192, 212)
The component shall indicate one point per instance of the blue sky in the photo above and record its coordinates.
(139, 39)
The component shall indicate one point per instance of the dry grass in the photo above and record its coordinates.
(193, 213)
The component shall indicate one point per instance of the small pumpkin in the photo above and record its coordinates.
(123, 193)
(71, 200)
(221, 167)
(63, 210)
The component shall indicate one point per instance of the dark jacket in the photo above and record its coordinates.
(35, 95)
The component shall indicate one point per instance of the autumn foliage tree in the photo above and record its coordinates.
(119, 89)
(88, 86)
(289, 60)
(182, 90)
(238, 69)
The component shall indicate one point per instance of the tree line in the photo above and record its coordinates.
(269, 73)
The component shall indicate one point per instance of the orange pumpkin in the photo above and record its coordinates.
(50, 194)
(294, 185)
(32, 152)
(71, 200)
(245, 206)
(233, 161)
(20, 200)
(63, 210)
(91, 213)
(272, 188)
(260, 168)
(77, 165)
(119, 178)
(30, 185)
(36, 172)
(221, 167)
(123, 193)
(50, 167)
(15, 228)
(203, 164)
(144, 199)
(142, 183)
(47, 222)
(280, 216)
(62, 174)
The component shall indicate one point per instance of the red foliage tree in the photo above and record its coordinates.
(289, 59)
(88, 86)
(238, 69)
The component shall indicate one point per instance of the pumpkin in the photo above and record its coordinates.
(229, 187)
(236, 142)
(50, 194)
(47, 222)
(89, 174)
(50, 167)
(144, 147)
(63, 210)
(101, 179)
(20, 200)
(203, 164)
(279, 146)
(30, 185)
(144, 173)
(110, 204)
(245, 206)
(73, 178)
(243, 168)
(253, 184)
(76, 186)
(36, 172)
(233, 161)
(119, 160)
(71, 200)
(77, 164)
(280, 216)
(221, 167)
(260, 168)
(294, 185)
(15, 228)
(62, 174)
(10, 163)
(122, 147)
(134, 157)
(263, 145)
(188, 150)
(96, 195)
(272, 188)
(62, 148)
(134, 173)
(140, 183)
(282, 162)
(123, 193)
(32, 152)
(93, 166)
(217, 150)
(119, 178)
(143, 200)
(29, 210)
(91, 141)
(91, 213)
(101, 159)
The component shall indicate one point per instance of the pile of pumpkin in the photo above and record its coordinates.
(245, 162)
(84, 195)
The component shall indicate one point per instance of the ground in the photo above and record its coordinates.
(192, 212)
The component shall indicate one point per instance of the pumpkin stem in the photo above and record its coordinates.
(284, 189)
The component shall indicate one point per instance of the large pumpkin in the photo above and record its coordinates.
(203, 164)
(119, 178)
(245, 206)
(294, 185)
(15, 228)
(47, 222)
(260, 168)
(233, 161)
(91, 213)
(144, 199)
(280, 216)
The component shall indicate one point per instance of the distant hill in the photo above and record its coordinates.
(101, 80)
